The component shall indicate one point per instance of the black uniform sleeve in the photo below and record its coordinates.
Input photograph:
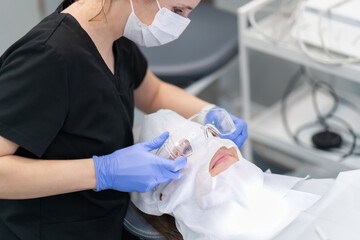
(33, 97)
(140, 65)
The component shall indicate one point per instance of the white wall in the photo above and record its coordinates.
(51, 5)
(17, 17)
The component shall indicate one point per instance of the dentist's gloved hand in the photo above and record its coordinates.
(135, 168)
(240, 135)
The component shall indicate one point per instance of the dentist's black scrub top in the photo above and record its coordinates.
(59, 100)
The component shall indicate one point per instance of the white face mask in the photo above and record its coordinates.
(166, 27)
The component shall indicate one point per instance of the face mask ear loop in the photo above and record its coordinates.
(132, 7)
(157, 1)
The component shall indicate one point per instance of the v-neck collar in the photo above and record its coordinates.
(90, 43)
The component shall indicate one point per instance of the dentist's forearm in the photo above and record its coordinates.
(23, 178)
(178, 100)
(154, 94)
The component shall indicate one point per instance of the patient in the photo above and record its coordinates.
(220, 195)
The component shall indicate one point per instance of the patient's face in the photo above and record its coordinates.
(204, 150)
(221, 160)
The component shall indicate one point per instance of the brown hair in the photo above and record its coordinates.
(165, 225)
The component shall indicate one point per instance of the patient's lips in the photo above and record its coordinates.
(222, 160)
(221, 157)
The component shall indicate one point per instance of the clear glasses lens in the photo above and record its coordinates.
(221, 120)
(173, 150)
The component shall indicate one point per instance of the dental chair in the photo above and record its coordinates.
(201, 55)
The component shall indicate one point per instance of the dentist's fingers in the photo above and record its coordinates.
(175, 165)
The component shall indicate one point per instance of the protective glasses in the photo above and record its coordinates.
(189, 136)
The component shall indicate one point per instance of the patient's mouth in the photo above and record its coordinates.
(220, 158)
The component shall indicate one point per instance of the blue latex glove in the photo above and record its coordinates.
(240, 135)
(135, 168)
